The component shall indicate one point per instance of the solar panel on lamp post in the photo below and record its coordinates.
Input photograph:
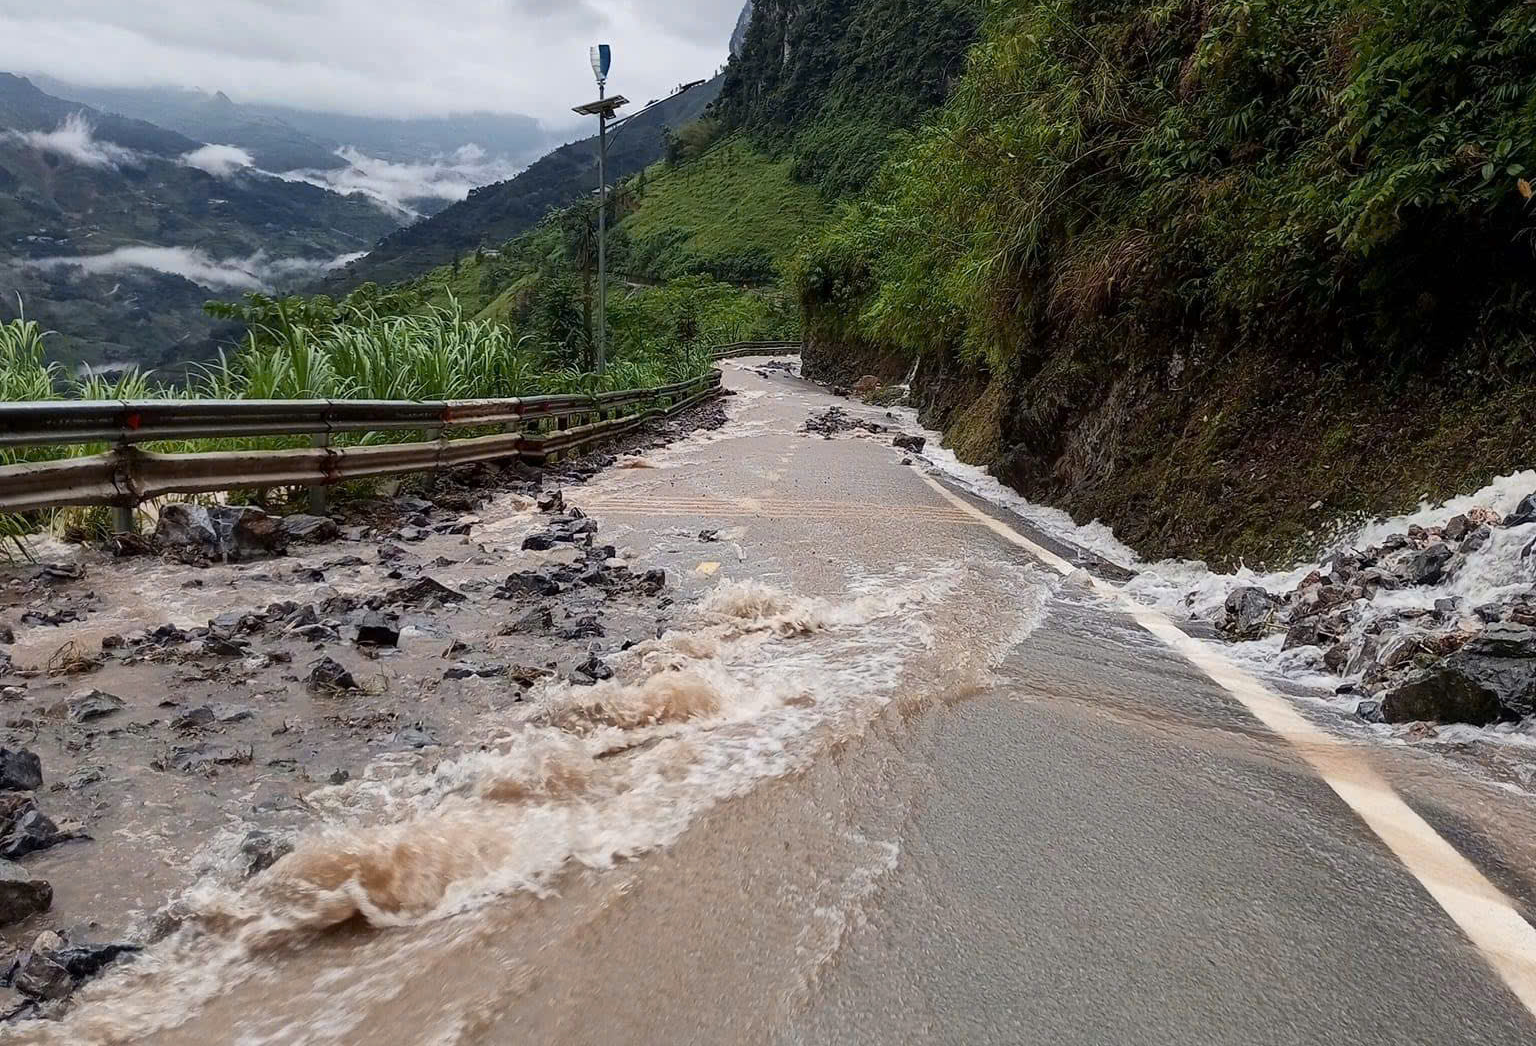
(604, 109)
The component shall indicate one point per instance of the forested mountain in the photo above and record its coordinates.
(281, 138)
(1213, 273)
(500, 212)
(114, 231)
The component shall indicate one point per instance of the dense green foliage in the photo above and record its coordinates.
(832, 82)
(1317, 175)
(732, 213)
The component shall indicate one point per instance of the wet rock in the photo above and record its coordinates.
(7, 635)
(39, 977)
(57, 573)
(415, 736)
(1491, 678)
(835, 420)
(317, 633)
(1458, 528)
(379, 629)
(586, 626)
(1370, 712)
(1476, 540)
(422, 591)
(915, 444)
(20, 770)
(235, 533)
(327, 676)
(86, 705)
(52, 617)
(309, 575)
(537, 621)
(652, 582)
(87, 960)
(260, 850)
(1524, 513)
(28, 830)
(306, 529)
(413, 535)
(529, 583)
(596, 668)
(709, 537)
(1428, 566)
(1249, 612)
(211, 715)
(392, 553)
(21, 895)
(200, 758)
(1489, 613)
(344, 563)
(551, 501)
(471, 670)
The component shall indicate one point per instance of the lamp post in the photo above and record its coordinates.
(604, 109)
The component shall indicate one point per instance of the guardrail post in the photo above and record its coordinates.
(434, 435)
(318, 494)
(122, 519)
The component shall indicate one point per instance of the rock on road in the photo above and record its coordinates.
(1051, 827)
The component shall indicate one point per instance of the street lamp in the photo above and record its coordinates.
(604, 109)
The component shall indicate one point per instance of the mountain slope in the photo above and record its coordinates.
(497, 213)
(1214, 274)
(110, 236)
(274, 144)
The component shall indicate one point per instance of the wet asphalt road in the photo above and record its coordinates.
(1104, 847)
(1057, 830)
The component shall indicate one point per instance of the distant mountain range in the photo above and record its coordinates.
(113, 231)
(500, 212)
(284, 139)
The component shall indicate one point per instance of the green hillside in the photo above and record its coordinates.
(1228, 268)
(733, 212)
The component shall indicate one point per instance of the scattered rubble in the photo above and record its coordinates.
(1440, 661)
(835, 420)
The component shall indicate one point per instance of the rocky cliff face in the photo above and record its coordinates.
(739, 35)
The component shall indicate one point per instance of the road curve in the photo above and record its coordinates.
(1019, 816)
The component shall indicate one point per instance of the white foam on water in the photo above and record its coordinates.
(755, 686)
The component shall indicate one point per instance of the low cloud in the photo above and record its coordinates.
(258, 272)
(75, 140)
(395, 186)
(221, 161)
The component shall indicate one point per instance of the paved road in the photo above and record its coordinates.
(1104, 845)
(958, 799)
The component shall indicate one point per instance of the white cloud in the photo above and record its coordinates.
(373, 57)
(257, 272)
(75, 140)
(221, 161)
(395, 185)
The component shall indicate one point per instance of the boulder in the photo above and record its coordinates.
(536, 622)
(231, 532)
(260, 850)
(327, 676)
(1426, 567)
(21, 896)
(424, 590)
(379, 629)
(915, 444)
(39, 977)
(186, 526)
(86, 705)
(1524, 513)
(306, 529)
(1476, 539)
(1248, 613)
(1491, 678)
(27, 830)
(20, 770)
(551, 501)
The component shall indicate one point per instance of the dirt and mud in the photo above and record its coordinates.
(171, 718)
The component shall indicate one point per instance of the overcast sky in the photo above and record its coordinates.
(373, 57)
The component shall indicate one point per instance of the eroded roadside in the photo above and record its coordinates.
(175, 718)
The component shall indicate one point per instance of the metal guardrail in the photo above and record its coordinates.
(539, 429)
